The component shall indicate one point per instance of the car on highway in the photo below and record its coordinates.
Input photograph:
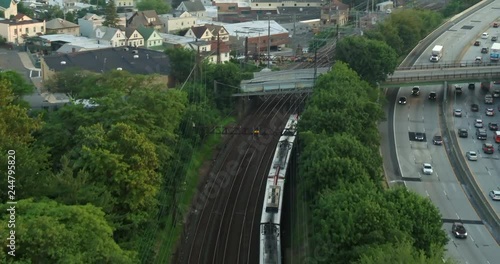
(459, 230)
(488, 99)
(457, 112)
(478, 59)
(485, 35)
(490, 111)
(419, 136)
(484, 50)
(488, 148)
(474, 107)
(494, 38)
(472, 86)
(477, 43)
(471, 155)
(493, 126)
(495, 25)
(463, 133)
(481, 134)
(427, 169)
(437, 140)
(432, 96)
(458, 89)
(495, 195)
(496, 93)
(415, 90)
(402, 100)
(478, 123)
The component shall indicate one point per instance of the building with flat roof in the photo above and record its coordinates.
(133, 60)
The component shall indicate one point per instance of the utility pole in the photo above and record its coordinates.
(293, 37)
(218, 49)
(246, 49)
(315, 64)
(197, 64)
(269, 40)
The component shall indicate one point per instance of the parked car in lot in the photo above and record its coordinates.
(463, 133)
(478, 123)
(490, 111)
(427, 169)
(471, 155)
(437, 140)
(457, 112)
(459, 230)
(402, 100)
(495, 195)
(481, 134)
(488, 148)
(493, 126)
(474, 107)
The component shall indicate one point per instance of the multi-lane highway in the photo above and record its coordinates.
(423, 115)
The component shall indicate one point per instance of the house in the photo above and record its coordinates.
(110, 36)
(218, 30)
(199, 33)
(177, 21)
(90, 22)
(125, 3)
(220, 54)
(65, 43)
(147, 19)
(19, 28)
(61, 26)
(8, 7)
(133, 60)
(335, 12)
(195, 8)
(258, 34)
(151, 37)
(134, 38)
(67, 5)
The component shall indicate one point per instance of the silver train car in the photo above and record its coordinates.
(270, 241)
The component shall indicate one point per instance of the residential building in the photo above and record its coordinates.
(64, 43)
(90, 22)
(66, 5)
(148, 19)
(208, 49)
(195, 8)
(151, 37)
(199, 33)
(221, 54)
(134, 38)
(133, 60)
(9, 8)
(335, 12)
(110, 36)
(19, 28)
(171, 41)
(177, 21)
(125, 3)
(218, 30)
(61, 26)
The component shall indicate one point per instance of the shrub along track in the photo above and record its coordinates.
(224, 221)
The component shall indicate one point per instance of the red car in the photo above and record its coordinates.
(488, 148)
(495, 25)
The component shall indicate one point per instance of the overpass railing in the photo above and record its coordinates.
(450, 64)
(490, 74)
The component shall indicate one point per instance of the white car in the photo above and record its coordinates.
(457, 112)
(427, 169)
(485, 35)
(478, 123)
(495, 195)
(490, 112)
(471, 155)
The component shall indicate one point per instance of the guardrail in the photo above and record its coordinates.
(449, 76)
(447, 65)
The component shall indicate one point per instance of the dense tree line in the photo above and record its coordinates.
(109, 171)
(355, 219)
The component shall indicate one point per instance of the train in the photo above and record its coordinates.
(270, 235)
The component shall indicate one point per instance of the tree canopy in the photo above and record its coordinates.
(110, 16)
(161, 7)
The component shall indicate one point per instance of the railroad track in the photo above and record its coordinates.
(222, 228)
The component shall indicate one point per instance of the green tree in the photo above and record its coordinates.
(182, 62)
(161, 7)
(47, 232)
(373, 60)
(17, 84)
(383, 254)
(53, 11)
(225, 80)
(25, 10)
(111, 18)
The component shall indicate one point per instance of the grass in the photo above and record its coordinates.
(169, 236)
(300, 238)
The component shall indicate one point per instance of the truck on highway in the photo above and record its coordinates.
(495, 52)
(437, 53)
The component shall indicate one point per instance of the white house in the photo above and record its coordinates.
(110, 36)
(177, 21)
(195, 8)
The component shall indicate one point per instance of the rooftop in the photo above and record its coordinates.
(58, 23)
(67, 38)
(249, 29)
(136, 61)
(175, 39)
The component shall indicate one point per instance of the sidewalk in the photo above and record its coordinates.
(26, 60)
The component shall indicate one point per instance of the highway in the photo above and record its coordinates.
(423, 115)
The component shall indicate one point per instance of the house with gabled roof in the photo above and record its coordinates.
(151, 37)
(134, 38)
(90, 22)
(147, 18)
(195, 8)
(9, 8)
(177, 21)
(218, 30)
(61, 26)
(199, 32)
(110, 36)
(21, 27)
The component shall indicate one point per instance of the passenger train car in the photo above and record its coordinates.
(270, 241)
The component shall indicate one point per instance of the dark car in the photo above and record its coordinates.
(495, 25)
(462, 132)
(472, 86)
(481, 134)
(494, 38)
(477, 43)
(437, 140)
(484, 50)
(415, 90)
(419, 136)
(402, 100)
(459, 230)
(493, 126)
(432, 96)
(488, 148)
(474, 107)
